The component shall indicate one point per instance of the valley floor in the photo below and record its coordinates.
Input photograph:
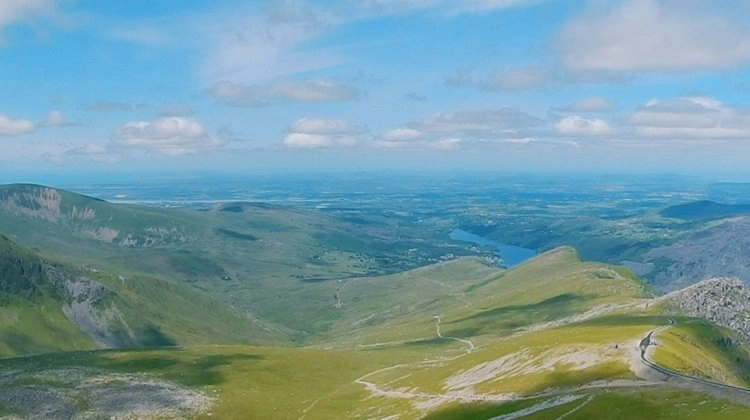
(520, 377)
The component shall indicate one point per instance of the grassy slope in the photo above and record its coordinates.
(278, 382)
(698, 348)
(268, 382)
(254, 258)
(621, 403)
(474, 302)
(31, 317)
(38, 328)
(477, 301)
(146, 311)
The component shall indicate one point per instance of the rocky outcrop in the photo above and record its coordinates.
(720, 250)
(41, 203)
(86, 303)
(725, 301)
(85, 217)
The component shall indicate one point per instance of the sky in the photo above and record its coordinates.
(139, 86)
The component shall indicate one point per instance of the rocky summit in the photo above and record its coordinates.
(724, 301)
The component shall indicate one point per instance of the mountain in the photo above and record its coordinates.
(704, 210)
(271, 312)
(455, 340)
(36, 298)
(251, 257)
(49, 306)
(719, 248)
(723, 301)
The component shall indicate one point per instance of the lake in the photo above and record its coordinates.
(510, 255)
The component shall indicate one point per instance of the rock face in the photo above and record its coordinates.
(721, 250)
(724, 301)
(84, 301)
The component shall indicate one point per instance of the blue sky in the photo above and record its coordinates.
(507, 85)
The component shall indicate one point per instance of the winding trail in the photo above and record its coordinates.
(559, 396)
(440, 335)
(647, 342)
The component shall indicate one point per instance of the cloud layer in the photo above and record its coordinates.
(691, 118)
(281, 91)
(317, 133)
(14, 127)
(638, 35)
(19, 10)
(170, 136)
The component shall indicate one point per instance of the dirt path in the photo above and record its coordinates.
(544, 405)
(439, 334)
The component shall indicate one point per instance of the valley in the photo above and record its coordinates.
(268, 311)
(374, 210)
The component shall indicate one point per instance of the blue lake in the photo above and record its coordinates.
(510, 255)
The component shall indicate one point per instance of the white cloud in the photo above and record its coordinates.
(453, 130)
(691, 118)
(317, 133)
(94, 151)
(20, 10)
(316, 141)
(654, 35)
(111, 106)
(450, 7)
(252, 44)
(175, 110)
(57, 119)
(325, 126)
(521, 78)
(472, 123)
(590, 104)
(578, 126)
(480, 6)
(403, 134)
(14, 127)
(169, 136)
(517, 79)
(281, 91)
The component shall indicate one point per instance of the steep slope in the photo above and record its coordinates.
(479, 302)
(534, 353)
(720, 248)
(252, 257)
(48, 306)
(32, 308)
(722, 301)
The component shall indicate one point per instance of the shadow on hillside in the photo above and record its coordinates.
(621, 321)
(199, 371)
(22, 344)
(517, 316)
(471, 411)
(437, 341)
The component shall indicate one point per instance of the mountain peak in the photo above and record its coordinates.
(722, 300)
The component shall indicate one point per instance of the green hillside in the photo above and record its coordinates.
(549, 358)
(47, 306)
(267, 312)
(251, 257)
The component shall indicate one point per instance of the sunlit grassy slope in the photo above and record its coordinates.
(554, 336)
(551, 336)
(698, 348)
(473, 300)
